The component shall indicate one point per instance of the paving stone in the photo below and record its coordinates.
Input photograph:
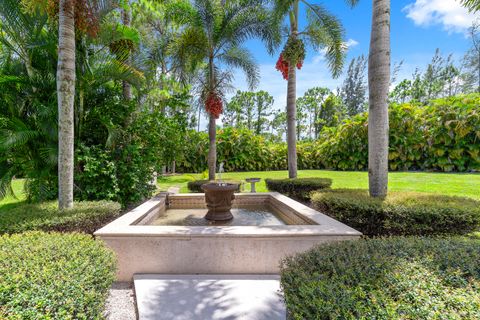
(209, 297)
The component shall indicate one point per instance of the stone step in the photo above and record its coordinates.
(209, 297)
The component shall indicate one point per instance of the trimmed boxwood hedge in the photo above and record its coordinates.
(299, 188)
(54, 276)
(86, 216)
(196, 185)
(401, 213)
(393, 278)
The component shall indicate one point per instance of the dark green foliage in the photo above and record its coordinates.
(196, 185)
(401, 213)
(54, 276)
(395, 278)
(299, 188)
(85, 217)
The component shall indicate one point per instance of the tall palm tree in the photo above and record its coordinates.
(66, 97)
(213, 38)
(378, 83)
(322, 31)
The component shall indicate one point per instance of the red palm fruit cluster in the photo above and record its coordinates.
(282, 66)
(213, 105)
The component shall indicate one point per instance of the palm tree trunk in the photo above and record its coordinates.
(212, 127)
(212, 150)
(66, 96)
(292, 122)
(378, 82)
(291, 102)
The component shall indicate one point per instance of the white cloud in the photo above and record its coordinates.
(448, 13)
(350, 43)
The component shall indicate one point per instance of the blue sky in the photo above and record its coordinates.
(418, 27)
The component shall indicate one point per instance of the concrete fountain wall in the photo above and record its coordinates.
(144, 248)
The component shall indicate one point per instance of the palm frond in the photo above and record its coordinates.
(325, 31)
(239, 57)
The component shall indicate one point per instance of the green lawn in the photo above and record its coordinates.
(455, 184)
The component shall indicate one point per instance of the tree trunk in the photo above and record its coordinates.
(378, 82)
(127, 88)
(212, 150)
(66, 96)
(292, 123)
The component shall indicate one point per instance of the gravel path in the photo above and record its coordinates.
(120, 303)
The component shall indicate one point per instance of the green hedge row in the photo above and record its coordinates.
(443, 136)
(54, 276)
(401, 213)
(299, 188)
(394, 278)
(86, 216)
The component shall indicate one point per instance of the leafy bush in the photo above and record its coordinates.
(443, 136)
(299, 188)
(54, 276)
(84, 217)
(196, 185)
(401, 213)
(394, 278)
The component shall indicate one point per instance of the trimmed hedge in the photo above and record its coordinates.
(299, 188)
(196, 185)
(86, 216)
(54, 276)
(401, 213)
(393, 278)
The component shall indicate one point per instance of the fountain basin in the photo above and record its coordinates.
(249, 249)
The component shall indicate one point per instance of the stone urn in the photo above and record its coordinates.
(219, 197)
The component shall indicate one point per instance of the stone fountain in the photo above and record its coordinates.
(219, 196)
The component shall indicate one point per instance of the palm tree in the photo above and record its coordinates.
(378, 84)
(322, 31)
(66, 97)
(212, 38)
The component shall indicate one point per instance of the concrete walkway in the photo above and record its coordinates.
(209, 297)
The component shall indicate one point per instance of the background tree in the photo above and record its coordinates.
(213, 37)
(311, 102)
(378, 83)
(322, 30)
(471, 60)
(263, 103)
(353, 91)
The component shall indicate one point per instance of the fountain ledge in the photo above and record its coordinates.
(143, 248)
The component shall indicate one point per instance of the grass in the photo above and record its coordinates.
(452, 184)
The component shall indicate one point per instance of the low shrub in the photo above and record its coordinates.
(401, 213)
(54, 276)
(86, 216)
(393, 278)
(299, 188)
(196, 185)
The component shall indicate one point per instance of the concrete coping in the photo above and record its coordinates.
(322, 225)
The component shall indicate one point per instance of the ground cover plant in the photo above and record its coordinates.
(400, 213)
(54, 276)
(87, 216)
(394, 278)
(299, 188)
